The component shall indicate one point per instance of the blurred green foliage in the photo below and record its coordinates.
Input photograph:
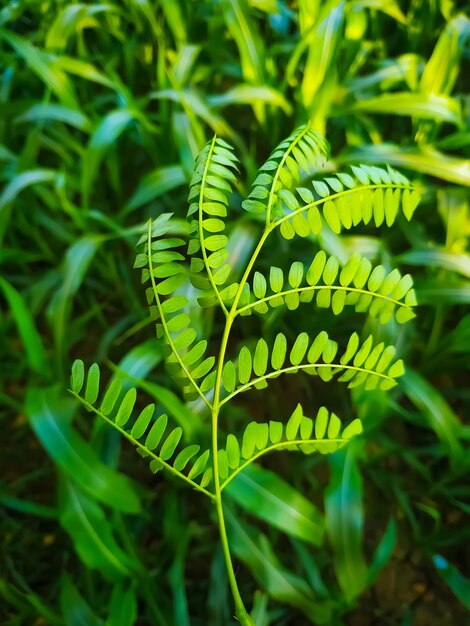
(103, 107)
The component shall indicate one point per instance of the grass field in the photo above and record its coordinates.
(103, 110)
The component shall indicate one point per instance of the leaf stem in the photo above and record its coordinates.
(241, 611)
(239, 606)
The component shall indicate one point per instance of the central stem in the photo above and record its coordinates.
(242, 614)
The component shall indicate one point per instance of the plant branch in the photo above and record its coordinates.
(319, 287)
(295, 368)
(138, 444)
(239, 605)
(278, 446)
(165, 326)
(278, 171)
(201, 229)
(241, 611)
(333, 196)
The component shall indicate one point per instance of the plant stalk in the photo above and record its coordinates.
(240, 609)
(241, 612)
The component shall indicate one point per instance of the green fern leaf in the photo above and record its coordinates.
(293, 423)
(199, 465)
(155, 434)
(260, 359)
(249, 440)
(276, 279)
(296, 274)
(244, 365)
(206, 478)
(185, 456)
(78, 375)
(92, 384)
(110, 397)
(321, 422)
(222, 463)
(369, 290)
(360, 364)
(166, 272)
(169, 446)
(126, 407)
(299, 349)
(324, 434)
(305, 149)
(346, 200)
(278, 353)
(142, 422)
(146, 433)
(294, 197)
(233, 451)
(208, 196)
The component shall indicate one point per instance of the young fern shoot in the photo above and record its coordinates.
(344, 200)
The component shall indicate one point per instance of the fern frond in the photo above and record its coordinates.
(149, 435)
(324, 434)
(304, 150)
(368, 289)
(208, 196)
(279, 193)
(166, 271)
(360, 364)
(344, 200)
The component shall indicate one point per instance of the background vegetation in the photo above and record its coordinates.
(103, 107)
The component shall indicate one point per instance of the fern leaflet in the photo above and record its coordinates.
(304, 150)
(187, 360)
(148, 434)
(208, 196)
(324, 434)
(360, 364)
(347, 199)
(368, 289)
